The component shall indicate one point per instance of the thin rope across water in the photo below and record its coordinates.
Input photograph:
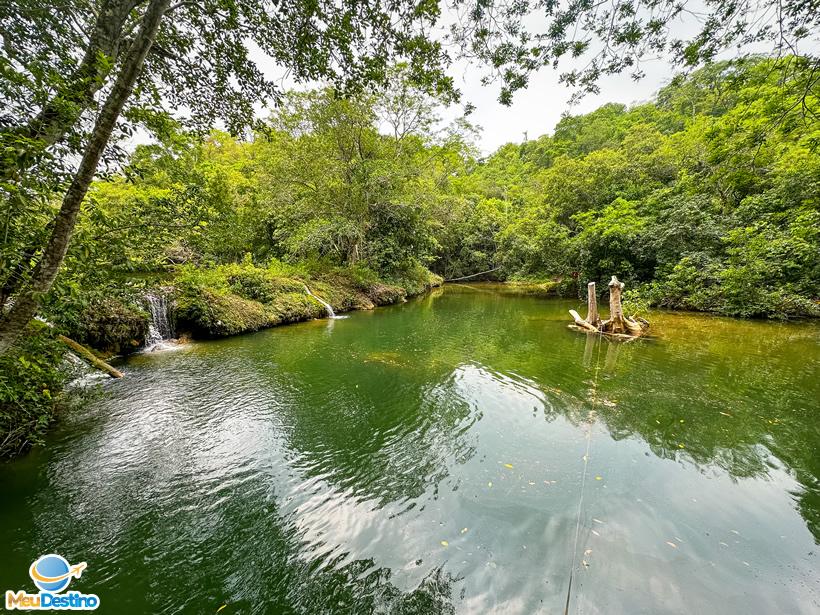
(584, 474)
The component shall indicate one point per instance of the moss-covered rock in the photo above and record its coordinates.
(206, 313)
(294, 307)
(386, 294)
(111, 325)
(260, 285)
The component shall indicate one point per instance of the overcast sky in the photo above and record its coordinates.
(537, 109)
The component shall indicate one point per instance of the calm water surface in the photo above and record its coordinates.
(434, 457)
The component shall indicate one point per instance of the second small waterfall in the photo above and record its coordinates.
(328, 307)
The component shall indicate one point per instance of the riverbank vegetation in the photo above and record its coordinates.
(706, 198)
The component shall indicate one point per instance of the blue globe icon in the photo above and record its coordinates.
(51, 567)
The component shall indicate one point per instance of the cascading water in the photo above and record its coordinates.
(328, 307)
(159, 329)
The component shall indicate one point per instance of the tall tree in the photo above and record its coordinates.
(141, 57)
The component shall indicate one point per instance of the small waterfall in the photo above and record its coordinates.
(159, 329)
(328, 307)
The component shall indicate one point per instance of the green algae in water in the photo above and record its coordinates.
(429, 458)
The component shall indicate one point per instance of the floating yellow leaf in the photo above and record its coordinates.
(490, 484)
(508, 465)
(599, 478)
(220, 608)
(444, 543)
(681, 446)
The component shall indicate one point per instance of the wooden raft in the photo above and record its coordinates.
(617, 325)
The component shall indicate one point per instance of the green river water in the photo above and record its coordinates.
(463, 452)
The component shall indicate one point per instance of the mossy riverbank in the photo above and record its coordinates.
(240, 298)
(203, 302)
(223, 300)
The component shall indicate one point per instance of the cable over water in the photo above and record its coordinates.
(584, 473)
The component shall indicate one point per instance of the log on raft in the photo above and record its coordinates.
(617, 325)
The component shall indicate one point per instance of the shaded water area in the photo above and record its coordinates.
(430, 457)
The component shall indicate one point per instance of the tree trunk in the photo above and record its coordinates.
(616, 312)
(25, 303)
(583, 324)
(592, 305)
(62, 112)
(617, 325)
(88, 356)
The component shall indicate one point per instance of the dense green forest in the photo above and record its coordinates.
(706, 198)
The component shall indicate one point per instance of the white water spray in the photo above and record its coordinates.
(328, 307)
(159, 329)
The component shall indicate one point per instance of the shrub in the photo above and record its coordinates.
(211, 314)
(112, 325)
(31, 379)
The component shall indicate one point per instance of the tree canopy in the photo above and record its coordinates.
(716, 210)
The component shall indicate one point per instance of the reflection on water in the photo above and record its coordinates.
(429, 458)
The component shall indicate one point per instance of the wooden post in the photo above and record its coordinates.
(592, 305)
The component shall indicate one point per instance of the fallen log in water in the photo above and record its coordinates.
(617, 325)
(581, 323)
(88, 356)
